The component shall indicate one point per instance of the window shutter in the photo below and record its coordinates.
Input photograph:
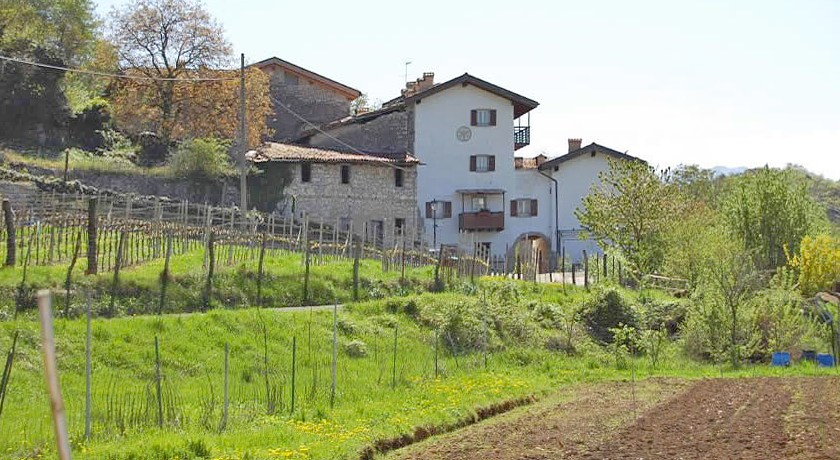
(447, 209)
(491, 163)
(512, 208)
(472, 162)
(429, 210)
(533, 207)
(493, 117)
(473, 117)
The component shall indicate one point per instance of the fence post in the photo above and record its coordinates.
(356, 255)
(91, 230)
(87, 370)
(294, 356)
(260, 271)
(605, 273)
(585, 270)
(117, 264)
(157, 384)
(9, 217)
(164, 276)
(306, 271)
(225, 407)
(334, 353)
(7, 373)
(437, 340)
(69, 278)
(62, 439)
(208, 289)
(394, 372)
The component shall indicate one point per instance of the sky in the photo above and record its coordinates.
(713, 82)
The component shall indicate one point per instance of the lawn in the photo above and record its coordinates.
(379, 394)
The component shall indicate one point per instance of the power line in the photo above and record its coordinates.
(111, 75)
(354, 149)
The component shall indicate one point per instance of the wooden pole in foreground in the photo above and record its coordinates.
(62, 440)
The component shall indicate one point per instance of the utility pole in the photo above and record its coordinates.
(243, 139)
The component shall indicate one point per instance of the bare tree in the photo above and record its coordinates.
(167, 39)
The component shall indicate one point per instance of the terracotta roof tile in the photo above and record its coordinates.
(274, 151)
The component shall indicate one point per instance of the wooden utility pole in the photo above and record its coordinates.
(243, 139)
(62, 439)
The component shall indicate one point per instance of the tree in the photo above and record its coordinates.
(631, 208)
(818, 263)
(767, 209)
(66, 28)
(166, 39)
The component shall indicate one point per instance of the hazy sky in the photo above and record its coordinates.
(713, 82)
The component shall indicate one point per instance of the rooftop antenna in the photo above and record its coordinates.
(407, 63)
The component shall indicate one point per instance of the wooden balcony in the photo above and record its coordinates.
(482, 221)
(521, 137)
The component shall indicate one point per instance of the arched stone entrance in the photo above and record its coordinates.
(532, 246)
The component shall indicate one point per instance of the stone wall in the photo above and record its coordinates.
(370, 196)
(387, 133)
(310, 101)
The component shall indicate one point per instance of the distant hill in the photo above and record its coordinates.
(727, 171)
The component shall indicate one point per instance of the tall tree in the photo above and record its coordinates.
(66, 28)
(631, 208)
(167, 39)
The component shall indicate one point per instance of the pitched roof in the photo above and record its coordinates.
(521, 104)
(290, 153)
(350, 93)
(593, 147)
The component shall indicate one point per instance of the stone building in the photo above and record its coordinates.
(375, 193)
(314, 97)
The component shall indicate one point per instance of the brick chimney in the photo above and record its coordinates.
(421, 84)
(574, 144)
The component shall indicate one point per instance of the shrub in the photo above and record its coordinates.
(347, 327)
(356, 349)
(607, 310)
(818, 263)
(201, 159)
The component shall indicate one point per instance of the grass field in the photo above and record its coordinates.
(374, 399)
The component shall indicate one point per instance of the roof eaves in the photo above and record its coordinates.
(347, 89)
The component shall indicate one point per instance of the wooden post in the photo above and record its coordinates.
(208, 289)
(7, 373)
(91, 230)
(574, 281)
(306, 272)
(9, 217)
(157, 384)
(335, 353)
(585, 270)
(394, 374)
(563, 266)
(260, 271)
(87, 370)
(164, 276)
(117, 264)
(62, 439)
(69, 278)
(225, 407)
(294, 356)
(356, 255)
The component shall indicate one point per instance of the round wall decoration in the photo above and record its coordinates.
(464, 133)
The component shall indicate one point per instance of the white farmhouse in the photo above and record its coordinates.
(470, 187)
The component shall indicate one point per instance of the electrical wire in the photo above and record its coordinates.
(112, 75)
(313, 125)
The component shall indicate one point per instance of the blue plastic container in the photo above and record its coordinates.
(825, 359)
(809, 355)
(781, 358)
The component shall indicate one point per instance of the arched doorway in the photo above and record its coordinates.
(532, 247)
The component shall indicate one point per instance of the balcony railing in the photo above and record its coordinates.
(482, 221)
(521, 136)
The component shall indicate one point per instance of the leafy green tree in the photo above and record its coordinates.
(202, 160)
(67, 28)
(631, 207)
(767, 209)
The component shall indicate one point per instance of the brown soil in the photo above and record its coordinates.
(765, 418)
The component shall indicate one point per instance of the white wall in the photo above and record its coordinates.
(437, 118)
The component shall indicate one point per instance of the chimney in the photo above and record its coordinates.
(423, 83)
(574, 144)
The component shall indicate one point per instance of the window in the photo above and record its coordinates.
(399, 224)
(523, 208)
(345, 174)
(398, 177)
(482, 163)
(305, 172)
(479, 202)
(483, 117)
(438, 209)
(344, 224)
(482, 248)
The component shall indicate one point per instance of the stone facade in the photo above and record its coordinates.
(381, 133)
(371, 198)
(310, 101)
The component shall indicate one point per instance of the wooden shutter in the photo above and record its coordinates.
(493, 117)
(429, 210)
(472, 162)
(533, 207)
(491, 163)
(447, 209)
(473, 117)
(512, 208)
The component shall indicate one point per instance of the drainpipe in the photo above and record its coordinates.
(556, 210)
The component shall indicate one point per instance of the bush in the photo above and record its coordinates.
(201, 160)
(605, 311)
(356, 349)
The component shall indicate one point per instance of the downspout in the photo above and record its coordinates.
(556, 210)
